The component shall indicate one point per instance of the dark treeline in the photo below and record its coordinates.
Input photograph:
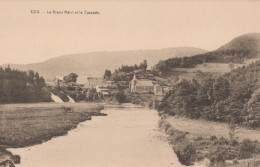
(22, 87)
(126, 68)
(234, 96)
(125, 72)
(218, 56)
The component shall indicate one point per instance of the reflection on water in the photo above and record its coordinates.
(127, 137)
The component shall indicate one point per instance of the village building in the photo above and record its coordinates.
(110, 84)
(158, 89)
(91, 81)
(145, 86)
(166, 89)
(58, 81)
(141, 86)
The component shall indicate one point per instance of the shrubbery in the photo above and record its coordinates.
(186, 152)
(183, 147)
(248, 148)
(189, 149)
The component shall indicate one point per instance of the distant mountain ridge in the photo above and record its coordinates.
(95, 63)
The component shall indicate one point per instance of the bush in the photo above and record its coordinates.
(177, 137)
(171, 131)
(167, 126)
(217, 159)
(200, 157)
(164, 125)
(66, 109)
(213, 138)
(235, 162)
(199, 138)
(222, 141)
(120, 97)
(186, 152)
(248, 148)
(160, 123)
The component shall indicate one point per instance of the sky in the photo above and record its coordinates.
(121, 25)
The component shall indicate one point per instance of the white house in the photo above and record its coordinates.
(91, 81)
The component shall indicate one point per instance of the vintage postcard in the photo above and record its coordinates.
(129, 83)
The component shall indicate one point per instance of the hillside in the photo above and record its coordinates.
(249, 41)
(95, 63)
(236, 51)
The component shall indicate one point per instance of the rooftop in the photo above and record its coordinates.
(144, 83)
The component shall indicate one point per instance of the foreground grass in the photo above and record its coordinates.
(194, 143)
(204, 128)
(29, 124)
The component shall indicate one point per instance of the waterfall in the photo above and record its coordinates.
(56, 99)
(71, 100)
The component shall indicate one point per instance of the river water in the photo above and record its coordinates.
(127, 137)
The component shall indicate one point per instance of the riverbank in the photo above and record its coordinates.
(29, 124)
(209, 144)
(127, 137)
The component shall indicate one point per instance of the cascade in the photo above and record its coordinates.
(56, 99)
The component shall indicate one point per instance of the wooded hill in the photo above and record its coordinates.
(236, 51)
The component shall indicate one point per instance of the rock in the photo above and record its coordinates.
(7, 163)
(16, 159)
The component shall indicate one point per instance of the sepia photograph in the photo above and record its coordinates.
(129, 83)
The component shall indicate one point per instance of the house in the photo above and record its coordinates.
(110, 84)
(91, 81)
(166, 89)
(103, 91)
(58, 80)
(158, 89)
(141, 86)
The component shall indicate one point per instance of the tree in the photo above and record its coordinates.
(120, 96)
(107, 74)
(221, 89)
(162, 66)
(31, 76)
(90, 94)
(232, 132)
(143, 65)
(72, 77)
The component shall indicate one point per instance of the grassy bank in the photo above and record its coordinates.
(206, 128)
(29, 124)
(195, 142)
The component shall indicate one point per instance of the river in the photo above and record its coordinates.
(127, 137)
